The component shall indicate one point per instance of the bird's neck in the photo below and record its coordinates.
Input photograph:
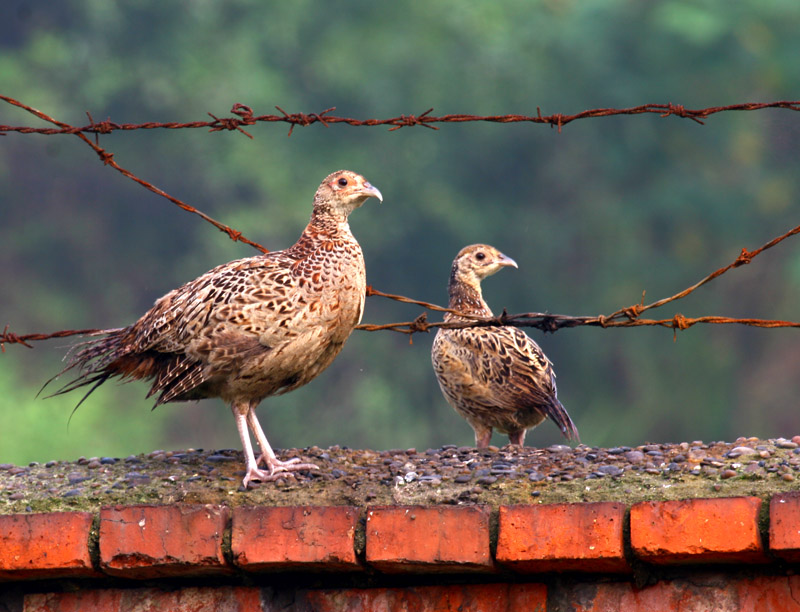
(467, 299)
(321, 228)
(329, 220)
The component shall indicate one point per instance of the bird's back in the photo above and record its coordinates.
(251, 328)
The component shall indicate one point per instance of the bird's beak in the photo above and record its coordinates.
(505, 260)
(371, 192)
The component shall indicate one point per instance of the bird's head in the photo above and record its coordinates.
(477, 261)
(342, 192)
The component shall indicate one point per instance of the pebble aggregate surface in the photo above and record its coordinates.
(450, 474)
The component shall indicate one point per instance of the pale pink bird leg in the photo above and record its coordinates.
(276, 467)
(251, 465)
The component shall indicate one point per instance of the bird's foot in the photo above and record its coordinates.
(276, 469)
(293, 464)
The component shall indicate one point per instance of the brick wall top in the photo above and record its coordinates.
(447, 475)
(415, 544)
(156, 541)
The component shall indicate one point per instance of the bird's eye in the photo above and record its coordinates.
(343, 182)
(480, 255)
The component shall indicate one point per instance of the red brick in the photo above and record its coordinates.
(625, 597)
(435, 538)
(461, 598)
(697, 530)
(310, 537)
(713, 592)
(557, 537)
(191, 599)
(772, 593)
(457, 598)
(53, 545)
(154, 541)
(784, 525)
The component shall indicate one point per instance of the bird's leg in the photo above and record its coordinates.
(251, 465)
(277, 468)
(517, 437)
(483, 435)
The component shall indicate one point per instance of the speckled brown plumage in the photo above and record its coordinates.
(250, 328)
(495, 377)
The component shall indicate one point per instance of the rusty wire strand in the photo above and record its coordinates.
(8, 337)
(628, 316)
(401, 298)
(624, 317)
(552, 322)
(245, 117)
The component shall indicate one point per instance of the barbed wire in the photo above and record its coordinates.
(629, 316)
(245, 117)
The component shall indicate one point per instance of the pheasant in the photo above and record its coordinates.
(248, 329)
(495, 377)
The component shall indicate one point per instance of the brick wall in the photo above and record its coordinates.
(696, 554)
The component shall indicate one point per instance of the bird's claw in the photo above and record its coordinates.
(293, 464)
(276, 470)
(262, 458)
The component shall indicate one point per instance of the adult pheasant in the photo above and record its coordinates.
(248, 329)
(495, 377)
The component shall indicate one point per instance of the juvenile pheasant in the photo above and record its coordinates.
(248, 329)
(495, 377)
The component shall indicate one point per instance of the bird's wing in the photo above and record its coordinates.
(532, 376)
(225, 294)
(203, 327)
(242, 310)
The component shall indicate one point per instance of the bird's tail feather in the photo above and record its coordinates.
(91, 359)
(559, 415)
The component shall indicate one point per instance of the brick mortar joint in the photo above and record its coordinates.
(360, 536)
(226, 540)
(763, 524)
(494, 531)
(94, 541)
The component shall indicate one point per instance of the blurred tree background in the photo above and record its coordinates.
(594, 215)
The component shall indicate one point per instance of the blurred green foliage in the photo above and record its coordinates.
(593, 215)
